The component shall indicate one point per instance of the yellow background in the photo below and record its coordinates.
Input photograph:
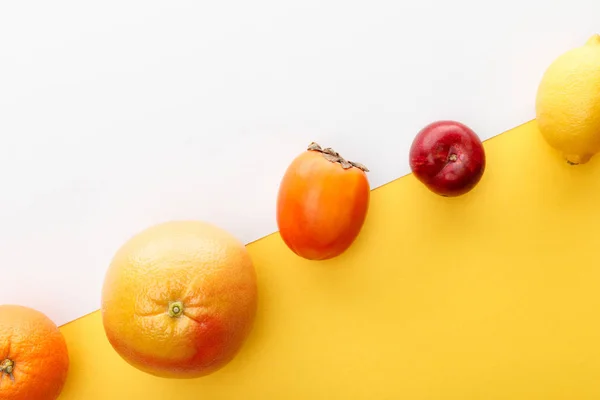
(493, 295)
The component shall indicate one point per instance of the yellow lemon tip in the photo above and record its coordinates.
(595, 39)
(576, 159)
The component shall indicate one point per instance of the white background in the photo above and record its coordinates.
(115, 115)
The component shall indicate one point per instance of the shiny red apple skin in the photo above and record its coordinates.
(448, 158)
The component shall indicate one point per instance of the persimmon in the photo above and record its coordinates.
(322, 203)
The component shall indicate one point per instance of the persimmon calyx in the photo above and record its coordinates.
(335, 157)
(7, 367)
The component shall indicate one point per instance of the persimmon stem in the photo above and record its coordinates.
(335, 157)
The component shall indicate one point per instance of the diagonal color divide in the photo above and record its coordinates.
(119, 116)
(489, 296)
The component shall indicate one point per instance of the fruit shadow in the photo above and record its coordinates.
(576, 183)
(558, 185)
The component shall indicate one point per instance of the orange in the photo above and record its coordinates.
(34, 360)
(179, 299)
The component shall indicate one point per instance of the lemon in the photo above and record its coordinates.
(568, 103)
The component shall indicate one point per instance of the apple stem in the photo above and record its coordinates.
(335, 157)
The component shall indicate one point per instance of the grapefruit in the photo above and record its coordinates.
(34, 360)
(179, 299)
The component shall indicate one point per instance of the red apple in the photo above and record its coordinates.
(448, 158)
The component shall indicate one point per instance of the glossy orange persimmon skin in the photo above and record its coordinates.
(321, 207)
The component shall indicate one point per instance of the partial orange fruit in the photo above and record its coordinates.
(34, 360)
(179, 299)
